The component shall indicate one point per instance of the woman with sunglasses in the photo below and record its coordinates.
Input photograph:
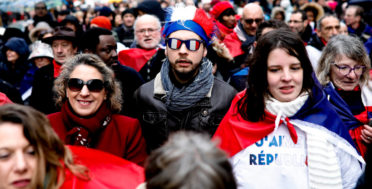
(90, 99)
(281, 132)
(343, 71)
(33, 157)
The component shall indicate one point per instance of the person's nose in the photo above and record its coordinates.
(20, 164)
(286, 76)
(114, 53)
(352, 75)
(335, 31)
(147, 33)
(59, 48)
(183, 49)
(84, 91)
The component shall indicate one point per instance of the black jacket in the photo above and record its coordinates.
(157, 122)
(42, 96)
(129, 80)
(125, 35)
(316, 42)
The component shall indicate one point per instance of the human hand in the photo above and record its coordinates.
(367, 134)
(222, 50)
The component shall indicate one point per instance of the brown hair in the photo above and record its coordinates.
(52, 156)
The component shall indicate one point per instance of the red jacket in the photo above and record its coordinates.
(105, 170)
(122, 136)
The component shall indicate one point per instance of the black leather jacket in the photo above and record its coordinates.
(157, 122)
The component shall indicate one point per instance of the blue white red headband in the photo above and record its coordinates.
(191, 19)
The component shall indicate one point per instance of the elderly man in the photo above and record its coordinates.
(146, 55)
(64, 46)
(327, 27)
(101, 42)
(299, 24)
(184, 95)
(241, 41)
(355, 24)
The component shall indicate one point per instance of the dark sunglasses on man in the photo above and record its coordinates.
(94, 85)
(191, 44)
(250, 21)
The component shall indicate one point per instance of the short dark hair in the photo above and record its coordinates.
(303, 14)
(90, 38)
(226, 12)
(252, 106)
(40, 3)
(189, 160)
(319, 24)
(275, 24)
(358, 10)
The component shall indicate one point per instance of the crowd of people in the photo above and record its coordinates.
(187, 94)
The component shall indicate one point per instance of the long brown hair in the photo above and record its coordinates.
(52, 156)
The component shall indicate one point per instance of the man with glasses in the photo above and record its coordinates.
(42, 14)
(327, 27)
(241, 41)
(299, 24)
(184, 95)
(146, 53)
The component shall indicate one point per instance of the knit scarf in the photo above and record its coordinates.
(83, 131)
(178, 99)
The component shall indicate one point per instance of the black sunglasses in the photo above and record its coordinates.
(94, 85)
(191, 44)
(250, 21)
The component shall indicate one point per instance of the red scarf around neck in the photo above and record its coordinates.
(82, 129)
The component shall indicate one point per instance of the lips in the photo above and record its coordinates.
(21, 183)
(84, 102)
(183, 63)
(286, 89)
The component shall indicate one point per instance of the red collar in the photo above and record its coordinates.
(57, 68)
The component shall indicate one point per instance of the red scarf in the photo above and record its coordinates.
(57, 68)
(241, 133)
(224, 30)
(135, 58)
(82, 131)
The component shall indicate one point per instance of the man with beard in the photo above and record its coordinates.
(101, 42)
(146, 54)
(184, 95)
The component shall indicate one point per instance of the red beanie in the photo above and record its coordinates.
(219, 8)
(102, 21)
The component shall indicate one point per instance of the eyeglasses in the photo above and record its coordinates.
(345, 69)
(191, 44)
(250, 21)
(94, 85)
(148, 30)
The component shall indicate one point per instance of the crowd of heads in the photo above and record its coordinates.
(87, 44)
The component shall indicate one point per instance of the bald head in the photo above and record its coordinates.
(252, 17)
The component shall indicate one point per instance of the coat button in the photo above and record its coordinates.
(204, 113)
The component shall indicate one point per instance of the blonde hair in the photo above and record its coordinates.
(342, 45)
